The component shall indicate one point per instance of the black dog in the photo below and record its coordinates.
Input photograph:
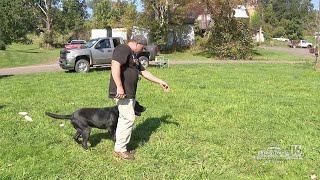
(102, 118)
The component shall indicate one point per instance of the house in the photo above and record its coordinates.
(258, 35)
(240, 12)
(204, 18)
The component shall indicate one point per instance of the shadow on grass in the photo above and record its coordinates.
(2, 106)
(142, 133)
(4, 76)
(27, 51)
(256, 53)
(92, 70)
(205, 54)
(95, 139)
(100, 69)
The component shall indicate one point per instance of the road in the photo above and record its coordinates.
(30, 69)
(55, 66)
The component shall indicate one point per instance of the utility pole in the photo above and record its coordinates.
(317, 65)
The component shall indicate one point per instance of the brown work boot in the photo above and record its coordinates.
(124, 155)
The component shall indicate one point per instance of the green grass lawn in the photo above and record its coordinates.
(212, 125)
(265, 54)
(22, 55)
(259, 54)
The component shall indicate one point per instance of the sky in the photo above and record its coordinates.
(140, 8)
(315, 3)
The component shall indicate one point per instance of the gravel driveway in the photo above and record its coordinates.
(56, 67)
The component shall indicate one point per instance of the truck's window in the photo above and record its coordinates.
(90, 43)
(116, 42)
(105, 43)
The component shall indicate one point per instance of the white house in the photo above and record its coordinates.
(241, 12)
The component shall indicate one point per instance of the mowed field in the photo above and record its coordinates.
(226, 121)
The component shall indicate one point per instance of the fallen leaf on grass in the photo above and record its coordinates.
(23, 113)
(313, 177)
(27, 118)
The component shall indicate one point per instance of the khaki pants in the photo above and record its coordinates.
(125, 123)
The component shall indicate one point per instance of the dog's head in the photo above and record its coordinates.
(138, 109)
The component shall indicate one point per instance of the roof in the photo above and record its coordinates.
(241, 12)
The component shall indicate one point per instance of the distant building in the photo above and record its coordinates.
(204, 18)
(241, 12)
(258, 35)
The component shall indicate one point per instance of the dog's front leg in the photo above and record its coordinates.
(85, 138)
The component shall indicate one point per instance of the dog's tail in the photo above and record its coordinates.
(57, 116)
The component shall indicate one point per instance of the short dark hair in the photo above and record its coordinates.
(140, 39)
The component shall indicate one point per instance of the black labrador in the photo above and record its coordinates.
(102, 118)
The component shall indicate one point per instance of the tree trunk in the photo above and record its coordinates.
(48, 35)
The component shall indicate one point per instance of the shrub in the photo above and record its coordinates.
(231, 41)
(200, 44)
(230, 38)
(2, 45)
(279, 31)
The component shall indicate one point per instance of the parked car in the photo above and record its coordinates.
(98, 53)
(74, 44)
(282, 39)
(300, 44)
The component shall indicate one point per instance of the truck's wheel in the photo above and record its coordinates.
(144, 61)
(309, 46)
(82, 66)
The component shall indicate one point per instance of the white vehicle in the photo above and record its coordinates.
(282, 39)
(300, 44)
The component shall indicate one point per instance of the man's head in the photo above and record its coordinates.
(137, 43)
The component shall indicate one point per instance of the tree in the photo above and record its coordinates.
(108, 14)
(120, 14)
(44, 10)
(16, 21)
(101, 13)
(163, 16)
(256, 20)
(123, 14)
(297, 14)
(228, 37)
(73, 16)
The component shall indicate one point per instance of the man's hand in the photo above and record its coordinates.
(120, 93)
(165, 87)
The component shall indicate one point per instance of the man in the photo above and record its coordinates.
(125, 70)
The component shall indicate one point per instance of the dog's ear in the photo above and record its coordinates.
(137, 113)
(139, 107)
(143, 109)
